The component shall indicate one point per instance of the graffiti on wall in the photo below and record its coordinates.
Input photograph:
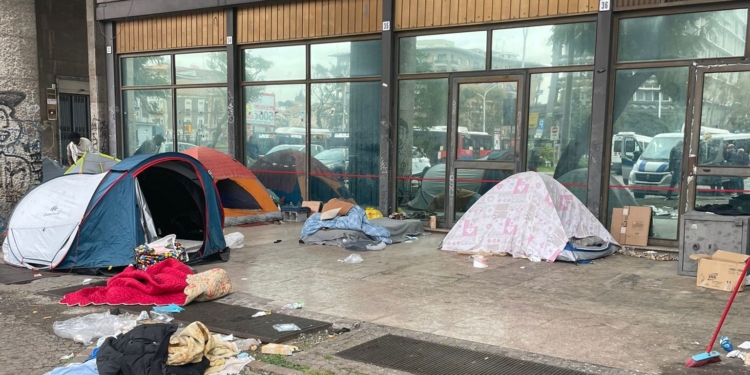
(99, 136)
(20, 152)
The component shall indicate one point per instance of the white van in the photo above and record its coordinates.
(626, 147)
(651, 168)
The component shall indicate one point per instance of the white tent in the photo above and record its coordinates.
(528, 214)
(46, 221)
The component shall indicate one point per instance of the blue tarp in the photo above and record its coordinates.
(355, 219)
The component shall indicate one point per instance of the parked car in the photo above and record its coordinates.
(181, 146)
(316, 149)
(335, 159)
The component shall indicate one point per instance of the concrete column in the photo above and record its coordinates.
(97, 80)
(20, 134)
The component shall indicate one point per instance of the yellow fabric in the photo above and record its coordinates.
(196, 342)
(208, 285)
(258, 191)
(373, 213)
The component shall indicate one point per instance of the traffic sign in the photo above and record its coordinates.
(554, 133)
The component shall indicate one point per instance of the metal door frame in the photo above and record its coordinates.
(691, 170)
(452, 163)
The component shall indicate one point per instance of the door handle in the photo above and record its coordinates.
(706, 169)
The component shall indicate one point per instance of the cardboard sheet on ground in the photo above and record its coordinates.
(527, 214)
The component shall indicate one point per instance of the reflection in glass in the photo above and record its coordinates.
(443, 53)
(274, 116)
(274, 64)
(147, 71)
(487, 121)
(723, 195)
(198, 68)
(201, 119)
(548, 45)
(725, 119)
(648, 118)
(345, 59)
(344, 122)
(471, 184)
(683, 36)
(559, 127)
(422, 126)
(275, 138)
(146, 114)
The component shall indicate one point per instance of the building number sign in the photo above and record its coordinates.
(604, 5)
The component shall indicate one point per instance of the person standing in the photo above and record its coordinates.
(675, 167)
(77, 147)
(150, 146)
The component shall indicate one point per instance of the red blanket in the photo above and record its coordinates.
(161, 284)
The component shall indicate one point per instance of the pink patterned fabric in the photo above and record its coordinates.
(527, 214)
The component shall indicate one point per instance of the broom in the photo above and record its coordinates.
(709, 356)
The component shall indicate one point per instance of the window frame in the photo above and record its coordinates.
(173, 87)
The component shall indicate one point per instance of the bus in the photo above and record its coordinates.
(471, 145)
(288, 136)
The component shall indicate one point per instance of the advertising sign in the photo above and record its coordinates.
(262, 111)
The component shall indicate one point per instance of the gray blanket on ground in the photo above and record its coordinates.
(262, 218)
(399, 230)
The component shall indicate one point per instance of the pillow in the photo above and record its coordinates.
(330, 214)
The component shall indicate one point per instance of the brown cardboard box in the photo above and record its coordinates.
(720, 271)
(279, 349)
(314, 206)
(630, 225)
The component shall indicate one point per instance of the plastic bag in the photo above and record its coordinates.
(84, 329)
(354, 258)
(235, 240)
(172, 308)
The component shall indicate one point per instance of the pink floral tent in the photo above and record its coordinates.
(528, 214)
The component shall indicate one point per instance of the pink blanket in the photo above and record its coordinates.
(161, 284)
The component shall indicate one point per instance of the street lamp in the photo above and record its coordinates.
(484, 106)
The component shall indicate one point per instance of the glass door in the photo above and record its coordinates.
(718, 167)
(483, 138)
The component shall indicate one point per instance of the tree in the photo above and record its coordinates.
(645, 39)
(255, 66)
(327, 98)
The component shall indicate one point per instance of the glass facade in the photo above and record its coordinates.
(540, 46)
(341, 119)
(458, 52)
(559, 128)
(422, 126)
(175, 116)
(683, 36)
(523, 99)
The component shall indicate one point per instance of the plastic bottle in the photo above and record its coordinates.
(293, 306)
(726, 344)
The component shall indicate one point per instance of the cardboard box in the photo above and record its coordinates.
(720, 271)
(279, 349)
(631, 225)
(314, 206)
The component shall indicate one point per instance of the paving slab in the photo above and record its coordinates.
(619, 312)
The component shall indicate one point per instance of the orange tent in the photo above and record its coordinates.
(242, 194)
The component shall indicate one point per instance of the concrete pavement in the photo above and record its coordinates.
(621, 312)
(619, 315)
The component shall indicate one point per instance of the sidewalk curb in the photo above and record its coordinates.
(265, 368)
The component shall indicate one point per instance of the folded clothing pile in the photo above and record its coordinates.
(153, 349)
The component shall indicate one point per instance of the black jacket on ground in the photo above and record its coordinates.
(143, 351)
